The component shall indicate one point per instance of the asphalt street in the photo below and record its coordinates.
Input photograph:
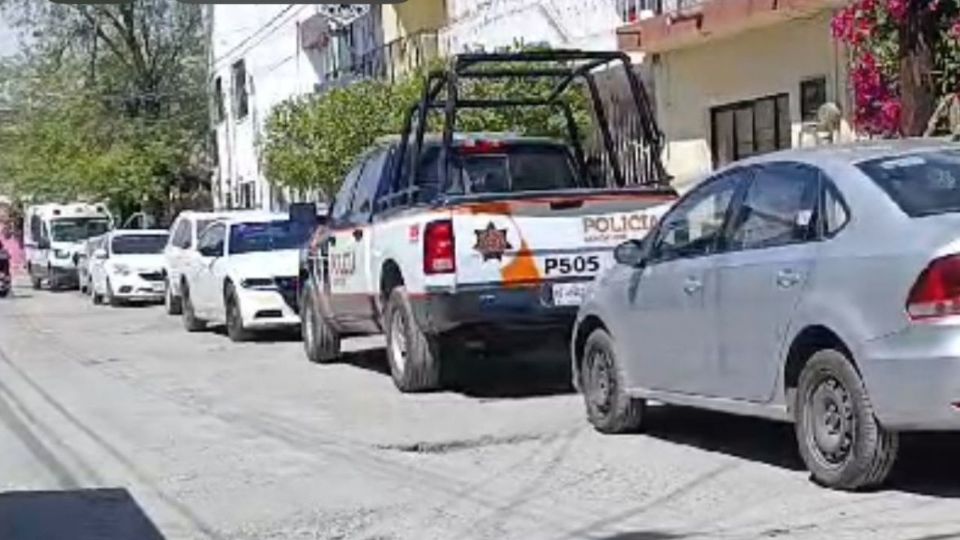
(116, 424)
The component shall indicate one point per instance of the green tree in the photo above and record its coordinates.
(109, 102)
(311, 142)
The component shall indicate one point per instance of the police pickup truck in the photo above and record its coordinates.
(509, 248)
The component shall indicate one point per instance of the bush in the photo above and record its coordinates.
(311, 142)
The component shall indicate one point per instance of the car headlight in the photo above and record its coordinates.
(61, 253)
(258, 283)
(121, 269)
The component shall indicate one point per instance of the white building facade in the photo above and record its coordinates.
(261, 55)
(580, 24)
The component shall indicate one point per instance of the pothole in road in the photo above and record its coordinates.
(444, 447)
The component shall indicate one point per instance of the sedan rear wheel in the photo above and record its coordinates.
(234, 317)
(171, 302)
(609, 408)
(841, 441)
(190, 320)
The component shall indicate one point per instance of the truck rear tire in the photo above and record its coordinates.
(320, 340)
(414, 356)
(35, 281)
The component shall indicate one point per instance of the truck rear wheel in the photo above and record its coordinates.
(35, 280)
(320, 340)
(414, 356)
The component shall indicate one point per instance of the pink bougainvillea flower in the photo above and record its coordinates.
(954, 31)
(898, 9)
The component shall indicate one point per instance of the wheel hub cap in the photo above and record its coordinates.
(600, 383)
(832, 421)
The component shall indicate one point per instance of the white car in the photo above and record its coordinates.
(180, 248)
(244, 274)
(128, 267)
(84, 257)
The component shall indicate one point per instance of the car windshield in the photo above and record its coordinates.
(77, 229)
(267, 236)
(138, 244)
(921, 183)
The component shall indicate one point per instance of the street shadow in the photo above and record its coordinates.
(486, 376)
(278, 335)
(927, 463)
(642, 535)
(772, 443)
(82, 514)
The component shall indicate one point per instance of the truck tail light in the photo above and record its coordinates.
(439, 255)
(937, 290)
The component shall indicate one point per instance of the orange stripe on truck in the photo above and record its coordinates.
(522, 270)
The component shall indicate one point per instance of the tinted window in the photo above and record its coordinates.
(76, 229)
(366, 190)
(212, 237)
(181, 235)
(777, 209)
(268, 236)
(513, 169)
(694, 225)
(922, 183)
(138, 244)
(344, 200)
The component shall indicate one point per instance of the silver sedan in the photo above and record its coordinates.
(819, 286)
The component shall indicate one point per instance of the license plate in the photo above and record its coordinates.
(569, 294)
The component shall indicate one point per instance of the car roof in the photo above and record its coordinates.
(432, 139)
(254, 216)
(139, 232)
(855, 152)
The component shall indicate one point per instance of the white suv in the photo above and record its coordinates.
(184, 233)
(244, 274)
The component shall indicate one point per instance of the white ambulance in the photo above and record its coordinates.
(53, 236)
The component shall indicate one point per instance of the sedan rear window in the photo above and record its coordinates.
(921, 183)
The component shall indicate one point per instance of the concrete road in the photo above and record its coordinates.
(192, 436)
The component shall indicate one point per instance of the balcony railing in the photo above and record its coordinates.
(396, 59)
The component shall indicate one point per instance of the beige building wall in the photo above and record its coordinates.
(403, 19)
(749, 65)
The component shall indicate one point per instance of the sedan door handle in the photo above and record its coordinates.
(787, 278)
(692, 285)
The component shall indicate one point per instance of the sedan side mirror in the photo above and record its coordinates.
(630, 253)
(100, 253)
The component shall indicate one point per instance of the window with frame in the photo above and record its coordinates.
(218, 110)
(240, 102)
(693, 227)
(813, 94)
(213, 238)
(835, 213)
(181, 235)
(343, 202)
(367, 186)
(777, 209)
(749, 128)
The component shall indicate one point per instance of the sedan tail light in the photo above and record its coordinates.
(439, 255)
(937, 290)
